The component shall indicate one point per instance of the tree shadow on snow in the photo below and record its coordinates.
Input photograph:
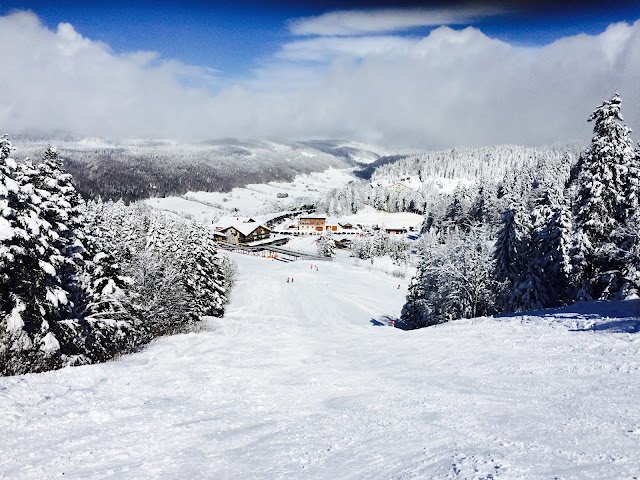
(613, 326)
(389, 321)
(600, 316)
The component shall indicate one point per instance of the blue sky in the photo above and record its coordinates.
(234, 36)
(409, 74)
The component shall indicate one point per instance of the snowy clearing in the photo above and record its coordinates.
(297, 381)
(368, 215)
(256, 199)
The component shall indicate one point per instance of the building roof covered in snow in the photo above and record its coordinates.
(244, 228)
(228, 220)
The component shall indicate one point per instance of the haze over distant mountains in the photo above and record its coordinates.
(136, 169)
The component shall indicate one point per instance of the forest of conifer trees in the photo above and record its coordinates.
(547, 235)
(83, 282)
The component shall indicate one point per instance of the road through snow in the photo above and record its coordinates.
(297, 382)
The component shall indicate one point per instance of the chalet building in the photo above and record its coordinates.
(396, 230)
(242, 233)
(239, 230)
(315, 223)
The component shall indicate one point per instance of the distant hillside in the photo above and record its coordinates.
(141, 169)
(418, 182)
(481, 163)
(357, 153)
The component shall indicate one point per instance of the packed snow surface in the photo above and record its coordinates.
(306, 380)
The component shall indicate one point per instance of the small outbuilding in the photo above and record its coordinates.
(396, 230)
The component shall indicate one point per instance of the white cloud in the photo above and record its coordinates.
(449, 88)
(62, 80)
(358, 22)
(326, 48)
(322, 49)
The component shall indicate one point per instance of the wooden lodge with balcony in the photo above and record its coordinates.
(239, 230)
(243, 233)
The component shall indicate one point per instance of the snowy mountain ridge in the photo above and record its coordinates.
(136, 169)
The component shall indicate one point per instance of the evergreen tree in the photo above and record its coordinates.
(548, 267)
(326, 245)
(602, 202)
(627, 247)
(361, 247)
(379, 244)
(417, 311)
(511, 256)
(484, 208)
(631, 185)
(201, 269)
(628, 234)
(62, 209)
(399, 252)
(30, 293)
(454, 280)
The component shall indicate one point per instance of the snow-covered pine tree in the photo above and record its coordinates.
(628, 235)
(114, 323)
(379, 244)
(456, 217)
(484, 208)
(601, 203)
(158, 295)
(326, 245)
(398, 250)
(511, 256)
(417, 311)
(229, 272)
(627, 247)
(624, 249)
(158, 240)
(454, 280)
(62, 209)
(631, 184)
(548, 268)
(31, 293)
(361, 247)
(200, 266)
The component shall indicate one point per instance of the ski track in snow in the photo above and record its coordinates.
(296, 382)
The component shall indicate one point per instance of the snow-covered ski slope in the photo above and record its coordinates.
(298, 382)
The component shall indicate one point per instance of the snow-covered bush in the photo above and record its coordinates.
(380, 245)
(326, 245)
(229, 271)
